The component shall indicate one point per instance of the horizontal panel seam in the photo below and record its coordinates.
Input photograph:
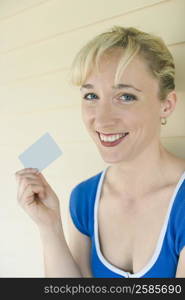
(54, 36)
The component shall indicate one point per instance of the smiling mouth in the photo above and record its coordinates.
(110, 140)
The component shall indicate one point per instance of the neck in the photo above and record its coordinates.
(150, 169)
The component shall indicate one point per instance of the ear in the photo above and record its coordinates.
(168, 105)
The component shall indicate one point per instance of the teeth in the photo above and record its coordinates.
(111, 138)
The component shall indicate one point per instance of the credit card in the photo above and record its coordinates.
(41, 154)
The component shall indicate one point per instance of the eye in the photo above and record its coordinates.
(128, 97)
(90, 96)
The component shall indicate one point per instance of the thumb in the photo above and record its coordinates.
(43, 179)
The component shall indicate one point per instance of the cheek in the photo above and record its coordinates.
(86, 114)
(147, 118)
(151, 115)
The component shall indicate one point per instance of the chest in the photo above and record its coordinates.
(129, 230)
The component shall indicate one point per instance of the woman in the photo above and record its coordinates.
(128, 220)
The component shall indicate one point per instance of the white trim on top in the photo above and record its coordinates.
(159, 242)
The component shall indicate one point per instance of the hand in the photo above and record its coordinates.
(37, 197)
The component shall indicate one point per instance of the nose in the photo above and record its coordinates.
(106, 117)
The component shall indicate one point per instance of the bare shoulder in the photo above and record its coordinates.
(80, 247)
(181, 262)
(181, 265)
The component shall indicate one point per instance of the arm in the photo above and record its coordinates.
(181, 265)
(58, 261)
(80, 247)
(41, 203)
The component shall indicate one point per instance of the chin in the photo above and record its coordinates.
(113, 159)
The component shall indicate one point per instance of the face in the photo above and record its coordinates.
(122, 120)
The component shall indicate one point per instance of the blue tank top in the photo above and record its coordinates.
(83, 207)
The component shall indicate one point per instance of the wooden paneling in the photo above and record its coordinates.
(178, 51)
(57, 54)
(38, 94)
(58, 17)
(38, 41)
(12, 8)
(175, 145)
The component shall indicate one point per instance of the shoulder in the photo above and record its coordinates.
(81, 203)
(178, 215)
(177, 181)
(179, 199)
(180, 272)
(86, 186)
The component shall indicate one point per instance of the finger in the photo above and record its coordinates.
(27, 170)
(24, 182)
(27, 175)
(29, 194)
(43, 179)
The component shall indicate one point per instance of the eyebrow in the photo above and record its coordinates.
(117, 87)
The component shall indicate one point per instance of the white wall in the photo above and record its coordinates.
(38, 40)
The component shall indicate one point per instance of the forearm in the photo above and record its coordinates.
(58, 260)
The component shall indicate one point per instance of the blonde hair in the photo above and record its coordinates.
(133, 41)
